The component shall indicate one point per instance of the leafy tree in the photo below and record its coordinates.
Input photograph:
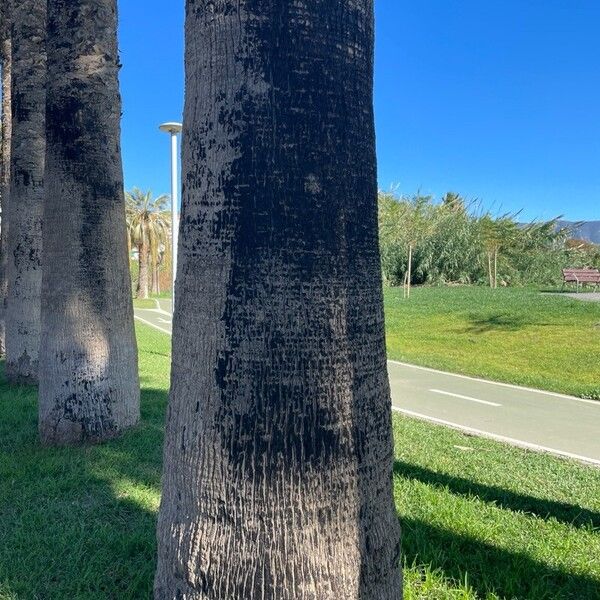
(497, 234)
(148, 226)
(405, 225)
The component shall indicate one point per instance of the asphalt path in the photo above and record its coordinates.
(542, 421)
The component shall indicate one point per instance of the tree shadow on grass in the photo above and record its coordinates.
(496, 322)
(490, 570)
(507, 322)
(561, 511)
(79, 522)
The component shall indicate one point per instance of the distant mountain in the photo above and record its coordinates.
(590, 230)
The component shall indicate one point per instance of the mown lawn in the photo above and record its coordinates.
(481, 520)
(512, 335)
(144, 303)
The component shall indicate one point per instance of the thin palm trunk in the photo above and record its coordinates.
(278, 450)
(490, 270)
(156, 278)
(143, 273)
(89, 388)
(6, 58)
(26, 191)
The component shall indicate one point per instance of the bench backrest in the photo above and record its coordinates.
(582, 275)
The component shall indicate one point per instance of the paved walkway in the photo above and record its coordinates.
(555, 423)
(584, 296)
(543, 421)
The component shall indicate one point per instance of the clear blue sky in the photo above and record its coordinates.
(497, 100)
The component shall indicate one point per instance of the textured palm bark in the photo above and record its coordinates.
(6, 58)
(278, 452)
(26, 190)
(155, 287)
(142, 286)
(89, 388)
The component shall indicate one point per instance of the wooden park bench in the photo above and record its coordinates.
(581, 277)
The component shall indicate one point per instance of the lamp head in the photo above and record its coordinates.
(172, 128)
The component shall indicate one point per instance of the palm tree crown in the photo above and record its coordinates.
(148, 226)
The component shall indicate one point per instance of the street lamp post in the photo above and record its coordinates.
(173, 129)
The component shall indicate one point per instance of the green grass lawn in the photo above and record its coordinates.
(511, 335)
(144, 303)
(480, 519)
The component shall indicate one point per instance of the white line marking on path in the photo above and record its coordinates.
(465, 397)
(498, 438)
(164, 321)
(507, 385)
(153, 325)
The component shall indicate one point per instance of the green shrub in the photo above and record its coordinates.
(452, 243)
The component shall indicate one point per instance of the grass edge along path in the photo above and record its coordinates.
(481, 520)
(516, 336)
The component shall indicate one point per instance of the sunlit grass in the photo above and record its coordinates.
(512, 335)
(144, 303)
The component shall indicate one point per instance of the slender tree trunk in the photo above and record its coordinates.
(409, 277)
(26, 191)
(155, 278)
(495, 269)
(490, 271)
(143, 275)
(6, 57)
(89, 388)
(278, 451)
(137, 286)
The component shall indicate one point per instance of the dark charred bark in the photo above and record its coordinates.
(89, 388)
(26, 191)
(278, 452)
(6, 58)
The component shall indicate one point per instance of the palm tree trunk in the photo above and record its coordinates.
(89, 388)
(278, 450)
(143, 275)
(6, 58)
(26, 191)
(155, 278)
(490, 271)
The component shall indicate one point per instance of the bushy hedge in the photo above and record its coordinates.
(454, 242)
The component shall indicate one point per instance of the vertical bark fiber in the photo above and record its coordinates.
(278, 453)
(89, 388)
(156, 278)
(6, 57)
(26, 190)
(143, 256)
